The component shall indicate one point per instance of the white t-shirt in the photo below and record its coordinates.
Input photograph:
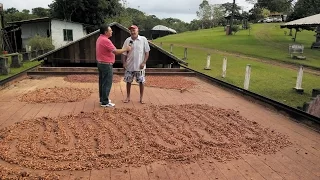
(136, 56)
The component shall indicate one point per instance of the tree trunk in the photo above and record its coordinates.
(290, 34)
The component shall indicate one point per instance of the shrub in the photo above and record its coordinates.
(235, 29)
(40, 43)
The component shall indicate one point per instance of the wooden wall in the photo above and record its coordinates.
(83, 52)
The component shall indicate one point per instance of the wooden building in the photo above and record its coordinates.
(82, 52)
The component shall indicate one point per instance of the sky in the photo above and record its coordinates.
(181, 9)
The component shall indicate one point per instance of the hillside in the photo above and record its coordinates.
(266, 41)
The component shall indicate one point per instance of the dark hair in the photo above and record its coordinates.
(104, 28)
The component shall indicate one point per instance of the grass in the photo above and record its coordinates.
(268, 80)
(266, 41)
(13, 71)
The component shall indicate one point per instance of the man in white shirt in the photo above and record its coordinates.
(134, 62)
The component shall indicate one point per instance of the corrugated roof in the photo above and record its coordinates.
(307, 21)
(163, 28)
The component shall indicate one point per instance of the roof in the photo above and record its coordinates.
(307, 21)
(121, 27)
(163, 28)
(43, 19)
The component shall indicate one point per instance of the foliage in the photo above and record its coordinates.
(41, 12)
(205, 13)
(218, 15)
(304, 8)
(235, 29)
(91, 12)
(274, 5)
(12, 14)
(40, 43)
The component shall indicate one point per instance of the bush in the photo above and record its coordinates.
(40, 43)
(235, 29)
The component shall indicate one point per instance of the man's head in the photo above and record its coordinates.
(134, 31)
(106, 30)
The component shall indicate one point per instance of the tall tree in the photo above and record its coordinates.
(218, 14)
(304, 8)
(85, 11)
(204, 13)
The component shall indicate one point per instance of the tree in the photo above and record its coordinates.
(25, 11)
(274, 5)
(41, 12)
(218, 14)
(255, 13)
(204, 13)
(12, 14)
(11, 10)
(304, 8)
(229, 6)
(85, 11)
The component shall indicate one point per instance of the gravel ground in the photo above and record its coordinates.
(114, 137)
(16, 173)
(56, 95)
(167, 82)
(87, 78)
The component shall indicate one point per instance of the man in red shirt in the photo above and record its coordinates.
(105, 55)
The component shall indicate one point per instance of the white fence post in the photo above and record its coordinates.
(185, 54)
(161, 44)
(247, 77)
(224, 67)
(299, 80)
(171, 48)
(208, 63)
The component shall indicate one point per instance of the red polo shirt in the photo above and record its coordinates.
(104, 50)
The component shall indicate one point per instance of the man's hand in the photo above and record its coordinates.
(142, 65)
(128, 48)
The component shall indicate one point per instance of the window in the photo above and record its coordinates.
(67, 35)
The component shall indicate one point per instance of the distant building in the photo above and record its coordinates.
(62, 32)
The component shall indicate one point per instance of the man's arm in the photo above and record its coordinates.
(121, 51)
(111, 47)
(146, 50)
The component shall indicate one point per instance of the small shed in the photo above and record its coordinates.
(160, 31)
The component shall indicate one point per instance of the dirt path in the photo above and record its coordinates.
(272, 62)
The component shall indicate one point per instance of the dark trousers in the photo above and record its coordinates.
(105, 82)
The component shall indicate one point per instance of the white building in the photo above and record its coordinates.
(61, 32)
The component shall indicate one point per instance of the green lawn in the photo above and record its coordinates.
(268, 80)
(266, 41)
(26, 65)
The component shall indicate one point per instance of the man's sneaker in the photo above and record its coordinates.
(107, 105)
(109, 101)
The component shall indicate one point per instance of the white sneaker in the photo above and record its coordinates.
(108, 105)
(109, 101)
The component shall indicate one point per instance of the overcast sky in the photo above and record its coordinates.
(181, 9)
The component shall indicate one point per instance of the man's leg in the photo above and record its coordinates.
(109, 77)
(128, 78)
(141, 80)
(104, 81)
(100, 84)
(141, 85)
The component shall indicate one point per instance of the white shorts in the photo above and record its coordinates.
(140, 76)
